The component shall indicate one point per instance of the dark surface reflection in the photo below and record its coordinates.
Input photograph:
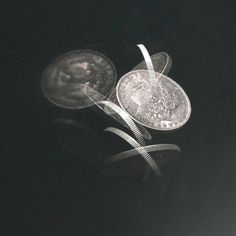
(48, 191)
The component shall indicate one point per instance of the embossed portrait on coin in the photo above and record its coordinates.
(156, 106)
(64, 80)
(163, 102)
(78, 72)
(77, 75)
(141, 95)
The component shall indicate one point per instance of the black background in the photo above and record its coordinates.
(47, 191)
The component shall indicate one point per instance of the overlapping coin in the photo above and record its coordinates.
(161, 61)
(64, 81)
(81, 78)
(158, 103)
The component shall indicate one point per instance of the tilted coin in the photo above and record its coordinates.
(158, 103)
(145, 134)
(130, 163)
(64, 81)
(150, 148)
(161, 61)
(138, 147)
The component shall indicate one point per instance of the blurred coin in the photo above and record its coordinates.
(138, 147)
(112, 97)
(161, 61)
(116, 116)
(129, 163)
(159, 104)
(64, 80)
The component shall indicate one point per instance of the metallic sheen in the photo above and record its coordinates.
(64, 80)
(159, 104)
(129, 163)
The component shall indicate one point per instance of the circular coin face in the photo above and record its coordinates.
(158, 103)
(161, 61)
(64, 81)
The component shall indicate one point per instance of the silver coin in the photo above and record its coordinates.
(129, 162)
(158, 103)
(150, 148)
(64, 81)
(161, 61)
(112, 97)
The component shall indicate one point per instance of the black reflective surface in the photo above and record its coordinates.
(45, 190)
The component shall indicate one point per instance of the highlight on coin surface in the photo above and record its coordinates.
(162, 63)
(158, 103)
(64, 80)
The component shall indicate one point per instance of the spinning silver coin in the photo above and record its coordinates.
(112, 97)
(161, 61)
(158, 103)
(64, 81)
(129, 163)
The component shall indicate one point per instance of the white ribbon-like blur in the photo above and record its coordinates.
(137, 146)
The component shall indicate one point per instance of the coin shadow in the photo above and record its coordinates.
(81, 141)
